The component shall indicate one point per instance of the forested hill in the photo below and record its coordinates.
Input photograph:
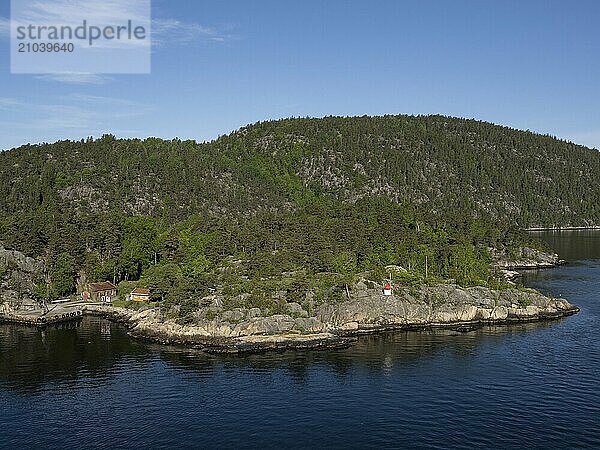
(446, 167)
(301, 206)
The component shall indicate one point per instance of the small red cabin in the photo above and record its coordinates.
(99, 292)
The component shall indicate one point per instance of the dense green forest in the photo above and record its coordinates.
(305, 197)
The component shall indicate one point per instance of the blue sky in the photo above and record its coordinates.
(222, 64)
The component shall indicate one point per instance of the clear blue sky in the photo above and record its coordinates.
(223, 64)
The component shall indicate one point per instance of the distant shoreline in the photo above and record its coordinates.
(595, 227)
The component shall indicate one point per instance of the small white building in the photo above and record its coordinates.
(387, 289)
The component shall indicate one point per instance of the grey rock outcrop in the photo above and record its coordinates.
(440, 305)
(367, 310)
(18, 274)
(525, 258)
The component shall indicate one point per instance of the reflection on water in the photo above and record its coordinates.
(526, 385)
(32, 357)
(377, 352)
(573, 245)
(93, 348)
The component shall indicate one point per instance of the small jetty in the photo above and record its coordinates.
(57, 313)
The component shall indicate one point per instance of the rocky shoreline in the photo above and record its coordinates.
(335, 326)
(526, 258)
(321, 326)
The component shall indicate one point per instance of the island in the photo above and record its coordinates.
(290, 233)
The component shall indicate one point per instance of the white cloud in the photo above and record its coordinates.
(6, 103)
(73, 13)
(64, 117)
(77, 78)
(74, 115)
(105, 12)
(119, 107)
(167, 32)
(4, 27)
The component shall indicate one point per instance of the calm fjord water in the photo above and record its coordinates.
(532, 385)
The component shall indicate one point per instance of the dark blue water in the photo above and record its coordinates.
(533, 386)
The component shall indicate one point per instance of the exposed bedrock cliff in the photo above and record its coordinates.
(18, 274)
